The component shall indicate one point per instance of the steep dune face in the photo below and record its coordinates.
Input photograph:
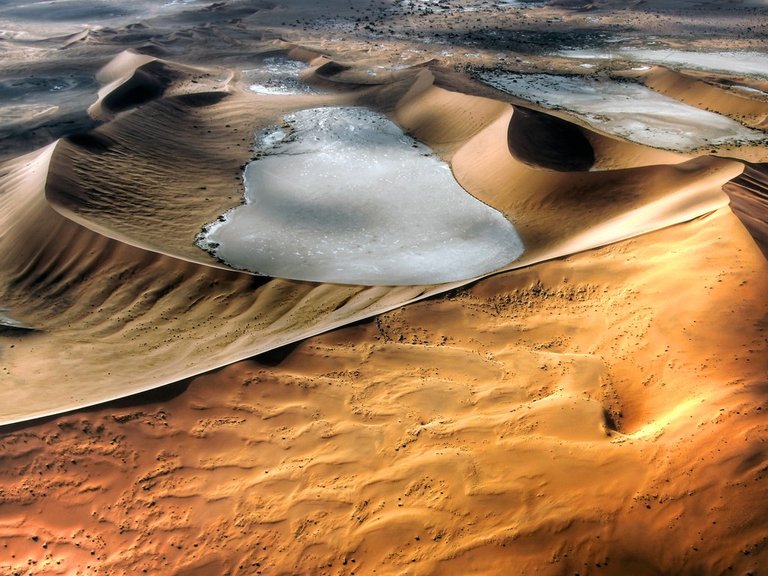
(650, 197)
(749, 200)
(594, 407)
(124, 203)
(549, 142)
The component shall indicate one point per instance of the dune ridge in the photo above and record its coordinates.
(748, 107)
(110, 218)
(597, 409)
(748, 193)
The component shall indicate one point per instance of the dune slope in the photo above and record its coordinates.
(596, 406)
(123, 204)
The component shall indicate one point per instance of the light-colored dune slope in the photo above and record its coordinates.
(598, 408)
(98, 251)
(739, 101)
(580, 416)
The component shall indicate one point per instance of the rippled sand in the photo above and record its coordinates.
(592, 406)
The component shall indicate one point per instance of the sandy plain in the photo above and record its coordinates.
(597, 407)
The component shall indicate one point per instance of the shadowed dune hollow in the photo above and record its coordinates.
(561, 367)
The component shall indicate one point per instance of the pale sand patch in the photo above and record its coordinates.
(747, 63)
(345, 196)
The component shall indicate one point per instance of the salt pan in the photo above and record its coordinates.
(343, 195)
(627, 109)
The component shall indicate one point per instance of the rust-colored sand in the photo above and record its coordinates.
(596, 407)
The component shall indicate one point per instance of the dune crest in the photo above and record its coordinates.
(740, 102)
(105, 221)
(595, 407)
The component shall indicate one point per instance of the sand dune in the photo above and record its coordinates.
(594, 406)
(629, 110)
(748, 106)
(119, 200)
(453, 436)
(749, 198)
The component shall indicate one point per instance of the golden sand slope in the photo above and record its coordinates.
(579, 416)
(599, 412)
(98, 251)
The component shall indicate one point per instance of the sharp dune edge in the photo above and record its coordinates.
(595, 407)
(124, 231)
(699, 92)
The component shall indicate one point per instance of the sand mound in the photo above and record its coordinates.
(125, 207)
(597, 410)
(742, 103)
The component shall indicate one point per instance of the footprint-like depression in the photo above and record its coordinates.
(342, 195)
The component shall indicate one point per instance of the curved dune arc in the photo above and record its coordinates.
(699, 92)
(122, 298)
(106, 310)
(119, 183)
(416, 112)
(347, 197)
(549, 209)
(419, 119)
(116, 319)
(122, 74)
(446, 109)
(628, 110)
(132, 79)
(156, 193)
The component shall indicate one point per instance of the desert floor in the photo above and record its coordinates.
(591, 403)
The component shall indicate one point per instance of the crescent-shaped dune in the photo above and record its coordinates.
(592, 402)
(738, 101)
(116, 268)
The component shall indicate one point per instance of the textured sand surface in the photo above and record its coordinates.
(596, 406)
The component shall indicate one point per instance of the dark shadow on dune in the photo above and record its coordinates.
(92, 142)
(17, 331)
(151, 50)
(545, 141)
(35, 133)
(156, 395)
(276, 356)
(201, 99)
(748, 193)
(331, 69)
(160, 394)
(147, 83)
